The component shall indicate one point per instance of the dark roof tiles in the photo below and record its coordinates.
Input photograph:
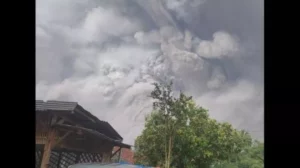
(54, 105)
(60, 105)
(39, 105)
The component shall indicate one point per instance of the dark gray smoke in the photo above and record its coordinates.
(105, 54)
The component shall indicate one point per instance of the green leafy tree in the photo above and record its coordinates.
(251, 157)
(172, 117)
(179, 128)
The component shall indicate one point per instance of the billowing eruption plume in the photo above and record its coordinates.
(105, 55)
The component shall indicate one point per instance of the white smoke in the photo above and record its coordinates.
(181, 7)
(223, 44)
(104, 55)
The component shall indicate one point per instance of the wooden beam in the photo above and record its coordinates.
(115, 152)
(61, 121)
(120, 153)
(65, 118)
(61, 139)
(53, 120)
(47, 148)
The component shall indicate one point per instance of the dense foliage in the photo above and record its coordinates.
(178, 133)
(251, 157)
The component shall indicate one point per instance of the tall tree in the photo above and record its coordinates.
(179, 125)
(171, 109)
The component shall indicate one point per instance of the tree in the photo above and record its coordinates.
(171, 110)
(179, 128)
(251, 157)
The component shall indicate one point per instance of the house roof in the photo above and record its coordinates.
(91, 121)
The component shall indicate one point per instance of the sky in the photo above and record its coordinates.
(105, 54)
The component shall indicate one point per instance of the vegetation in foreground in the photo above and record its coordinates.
(180, 134)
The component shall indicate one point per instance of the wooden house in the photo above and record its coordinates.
(66, 134)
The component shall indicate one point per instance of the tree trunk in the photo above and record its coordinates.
(166, 144)
(170, 150)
